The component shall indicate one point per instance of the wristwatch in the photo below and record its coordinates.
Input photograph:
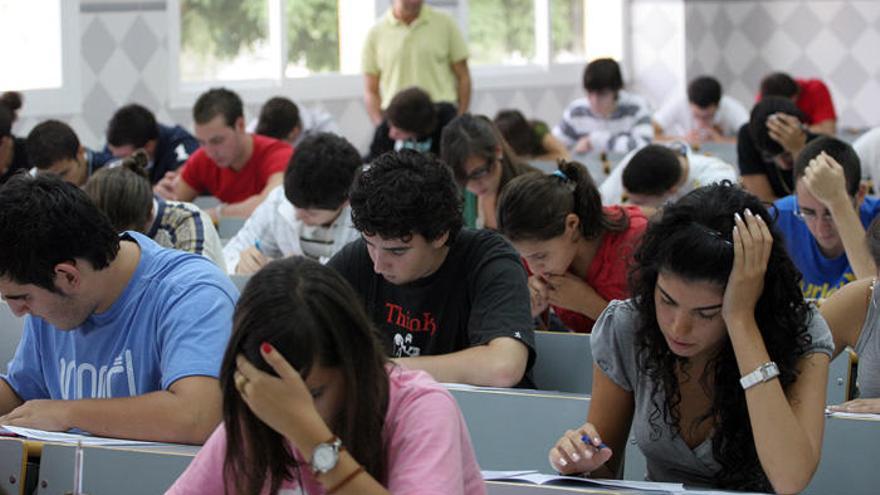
(765, 372)
(326, 456)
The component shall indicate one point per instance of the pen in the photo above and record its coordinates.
(587, 441)
(258, 245)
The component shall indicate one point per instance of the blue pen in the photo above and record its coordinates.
(258, 246)
(587, 441)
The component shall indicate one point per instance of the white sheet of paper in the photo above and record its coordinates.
(852, 415)
(72, 438)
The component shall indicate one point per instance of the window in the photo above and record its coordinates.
(48, 31)
(501, 32)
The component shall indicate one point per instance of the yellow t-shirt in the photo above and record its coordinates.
(419, 54)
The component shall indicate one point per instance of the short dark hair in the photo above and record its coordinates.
(218, 101)
(132, 125)
(12, 100)
(278, 118)
(603, 74)
(321, 172)
(7, 116)
(412, 110)
(842, 152)
(758, 121)
(45, 221)
(652, 171)
(779, 84)
(519, 133)
(704, 91)
(49, 142)
(123, 192)
(404, 193)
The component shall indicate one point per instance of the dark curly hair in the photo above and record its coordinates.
(45, 221)
(692, 239)
(321, 171)
(404, 193)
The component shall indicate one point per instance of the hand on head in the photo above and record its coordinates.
(752, 245)
(825, 179)
(788, 131)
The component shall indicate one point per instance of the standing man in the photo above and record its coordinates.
(414, 45)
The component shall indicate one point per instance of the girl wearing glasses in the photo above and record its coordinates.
(576, 251)
(481, 161)
(717, 362)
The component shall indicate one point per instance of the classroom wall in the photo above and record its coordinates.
(835, 40)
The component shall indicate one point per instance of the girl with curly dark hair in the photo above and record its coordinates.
(717, 361)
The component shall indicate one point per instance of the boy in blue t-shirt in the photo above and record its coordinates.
(824, 222)
(123, 338)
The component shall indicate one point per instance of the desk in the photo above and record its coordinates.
(849, 458)
(564, 362)
(140, 470)
(13, 463)
(507, 488)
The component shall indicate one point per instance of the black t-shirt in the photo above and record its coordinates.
(173, 148)
(479, 293)
(752, 162)
(382, 143)
(19, 159)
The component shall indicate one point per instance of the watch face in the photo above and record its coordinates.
(324, 457)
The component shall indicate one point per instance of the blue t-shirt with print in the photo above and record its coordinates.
(172, 321)
(822, 276)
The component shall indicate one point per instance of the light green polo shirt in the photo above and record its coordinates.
(419, 54)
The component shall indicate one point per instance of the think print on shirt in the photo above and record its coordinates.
(400, 317)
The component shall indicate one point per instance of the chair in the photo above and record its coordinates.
(564, 362)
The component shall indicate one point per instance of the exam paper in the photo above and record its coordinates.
(72, 438)
(547, 479)
(852, 415)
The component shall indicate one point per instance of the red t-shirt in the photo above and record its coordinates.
(815, 100)
(269, 157)
(607, 274)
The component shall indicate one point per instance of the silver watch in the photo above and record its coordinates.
(765, 372)
(326, 456)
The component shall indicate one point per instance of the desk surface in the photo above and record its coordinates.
(508, 488)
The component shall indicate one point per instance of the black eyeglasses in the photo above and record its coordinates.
(482, 171)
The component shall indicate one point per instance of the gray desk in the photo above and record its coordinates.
(13, 461)
(506, 488)
(107, 470)
(598, 168)
(724, 151)
(849, 459)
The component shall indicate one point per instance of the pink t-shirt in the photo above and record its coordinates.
(427, 441)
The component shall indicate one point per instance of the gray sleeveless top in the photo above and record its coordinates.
(868, 348)
(668, 456)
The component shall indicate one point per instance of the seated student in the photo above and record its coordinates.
(123, 337)
(481, 161)
(767, 146)
(411, 121)
(309, 393)
(52, 147)
(852, 315)
(124, 194)
(577, 251)
(717, 362)
(705, 116)
(447, 300)
(283, 119)
(530, 139)
(609, 118)
(237, 168)
(13, 152)
(134, 127)
(810, 95)
(658, 174)
(308, 216)
(823, 223)
(867, 146)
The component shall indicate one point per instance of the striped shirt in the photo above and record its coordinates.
(184, 226)
(628, 128)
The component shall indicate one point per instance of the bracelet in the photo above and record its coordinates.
(359, 470)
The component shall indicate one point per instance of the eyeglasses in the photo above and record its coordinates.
(482, 171)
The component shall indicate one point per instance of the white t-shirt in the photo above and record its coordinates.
(676, 120)
(867, 146)
(702, 170)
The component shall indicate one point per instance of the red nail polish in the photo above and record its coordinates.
(266, 348)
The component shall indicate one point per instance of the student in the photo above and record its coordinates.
(608, 119)
(481, 161)
(52, 147)
(705, 116)
(134, 127)
(310, 396)
(124, 194)
(577, 251)
(658, 174)
(852, 315)
(238, 168)
(309, 215)
(411, 121)
(122, 337)
(810, 95)
(717, 362)
(529, 139)
(823, 223)
(282, 119)
(13, 152)
(447, 300)
(767, 146)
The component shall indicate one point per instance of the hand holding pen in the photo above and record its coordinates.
(251, 260)
(579, 452)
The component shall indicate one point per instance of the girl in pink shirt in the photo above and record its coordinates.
(312, 406)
